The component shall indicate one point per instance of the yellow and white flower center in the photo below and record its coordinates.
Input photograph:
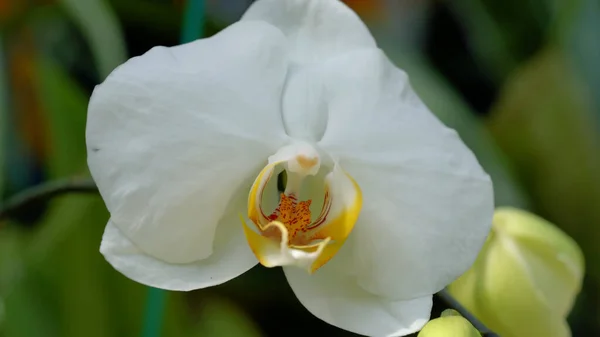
(295, 216)
(289, 235)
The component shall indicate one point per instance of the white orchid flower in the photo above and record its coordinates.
(184, 141)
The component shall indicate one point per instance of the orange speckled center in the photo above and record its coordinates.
(294, 215)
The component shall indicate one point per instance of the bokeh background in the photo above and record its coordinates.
(519, 80)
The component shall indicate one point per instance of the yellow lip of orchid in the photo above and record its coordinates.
(289, 235)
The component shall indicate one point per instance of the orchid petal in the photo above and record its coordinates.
(166, 144)
(316, 29)
(427, 203)
(230, 258)
(335, 296)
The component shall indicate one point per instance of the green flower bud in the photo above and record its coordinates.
(525, 279)
(449, 324)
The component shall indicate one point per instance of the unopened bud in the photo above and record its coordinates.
(525, 279)
(451, 323)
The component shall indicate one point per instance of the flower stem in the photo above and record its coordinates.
(155, 308)
(44, 192)
(193, 21)
(445, 297)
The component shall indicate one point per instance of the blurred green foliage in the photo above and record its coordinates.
(537, 137)
(4, 107)
(544, 121)
(101, 29)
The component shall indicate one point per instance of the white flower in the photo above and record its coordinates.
(184, 141)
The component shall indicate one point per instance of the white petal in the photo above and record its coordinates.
(173, 133)
(316, 29)
(336, 298)
(231, 257)
(427, 203)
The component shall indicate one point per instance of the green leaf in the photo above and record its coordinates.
(26, 307)
(487, 37)
(4, 108)
(65, 104)
(96, 301)
(544, 121)
(99, 25)
(222, 319)
(579, 26)
(29, 309)
(81, 294)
